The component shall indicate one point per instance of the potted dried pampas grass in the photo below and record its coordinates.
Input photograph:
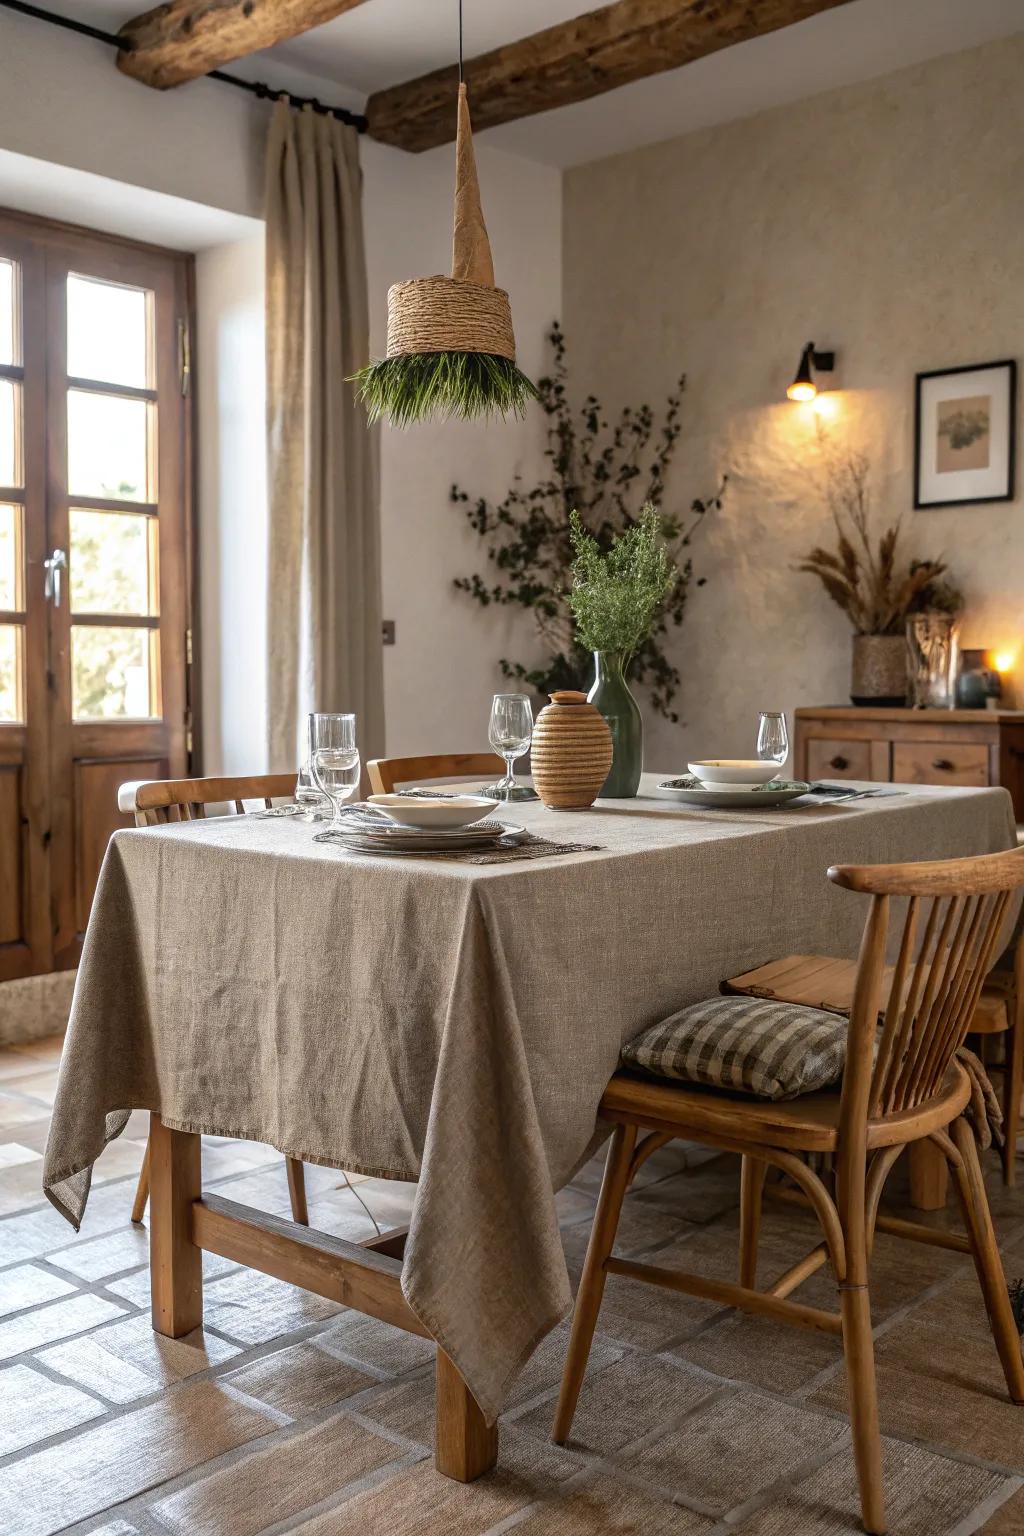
(869, 583)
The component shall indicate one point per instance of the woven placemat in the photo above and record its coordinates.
(507, 851)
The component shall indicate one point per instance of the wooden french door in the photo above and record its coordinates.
(95, 562)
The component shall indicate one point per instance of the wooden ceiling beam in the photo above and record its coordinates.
(184, 39)
(575, 60)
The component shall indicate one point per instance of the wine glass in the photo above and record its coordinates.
(510, 734)
(307, 796)
(335, 759)
(772, 737)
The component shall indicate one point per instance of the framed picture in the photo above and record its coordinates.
(965, 423)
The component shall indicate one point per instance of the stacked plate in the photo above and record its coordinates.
(690, 790)
(375, 835)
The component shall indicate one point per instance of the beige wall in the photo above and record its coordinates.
(884, 219)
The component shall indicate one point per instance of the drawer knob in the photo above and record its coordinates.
(839, 762)
(943, 765)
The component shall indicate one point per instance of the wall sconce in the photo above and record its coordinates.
(803, 386)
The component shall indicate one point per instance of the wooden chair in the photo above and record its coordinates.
(911, 1089)
(159, 801)
(386, 772)
(821, 981)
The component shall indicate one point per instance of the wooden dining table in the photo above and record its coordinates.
(442, 1021)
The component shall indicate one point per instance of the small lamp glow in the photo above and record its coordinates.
(803, 386)
(1003, 661)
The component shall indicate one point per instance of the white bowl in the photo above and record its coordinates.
(737, 772)
(418, 811)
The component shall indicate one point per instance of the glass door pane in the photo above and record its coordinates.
(11, 673)
(112, 673)
(8, 314)
(113, 563)
(11, 561)
(10, 433)
(109, 440)
(109, 332)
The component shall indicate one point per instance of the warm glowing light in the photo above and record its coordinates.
(1004, 661)
(799, 390)
(825, 405)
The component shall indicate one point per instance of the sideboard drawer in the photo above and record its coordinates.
(838, 759)
(939, 762)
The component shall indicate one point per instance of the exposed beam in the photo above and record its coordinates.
(575, 60)
(186, 38)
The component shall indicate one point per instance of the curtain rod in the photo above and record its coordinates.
(255, 88)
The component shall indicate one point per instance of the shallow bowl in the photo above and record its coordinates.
(737, 772)
(418, 811)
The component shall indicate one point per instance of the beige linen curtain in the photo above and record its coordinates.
(324, 607)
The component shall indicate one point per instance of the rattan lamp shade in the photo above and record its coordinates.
(451, 348)
(443, 314)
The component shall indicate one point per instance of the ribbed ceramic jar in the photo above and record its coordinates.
(571, 752)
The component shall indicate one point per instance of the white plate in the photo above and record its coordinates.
(412, 840)
(417, 811)
(690, 791)
(733, 772)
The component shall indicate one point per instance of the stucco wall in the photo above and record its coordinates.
(883, 219)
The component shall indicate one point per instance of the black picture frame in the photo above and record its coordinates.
(1011, 448)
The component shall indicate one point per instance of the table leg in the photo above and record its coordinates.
(465, 1445)
(175, 1263)
(929, 1176)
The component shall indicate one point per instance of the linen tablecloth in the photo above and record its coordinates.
(447, 1023)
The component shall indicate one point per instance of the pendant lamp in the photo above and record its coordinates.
(451, 348)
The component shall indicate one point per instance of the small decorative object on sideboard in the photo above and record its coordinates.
(931, 658)
(978, 685)
(572, 752)
(616, 597)
(863, 577)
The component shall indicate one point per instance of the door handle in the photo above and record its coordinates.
(53, 567)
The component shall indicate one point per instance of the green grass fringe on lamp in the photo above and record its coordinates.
(451, 347)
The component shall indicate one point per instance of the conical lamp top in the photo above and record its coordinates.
(471, 249)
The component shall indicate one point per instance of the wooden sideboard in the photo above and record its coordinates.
(913, 746)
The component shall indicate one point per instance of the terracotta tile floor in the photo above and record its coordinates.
(288, 1414)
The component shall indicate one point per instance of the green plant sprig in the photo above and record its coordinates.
(617, 593)
(605, 466)
(419, 385)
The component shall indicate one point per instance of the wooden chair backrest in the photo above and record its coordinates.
(955, 915)
(386, 772)
(157, 801)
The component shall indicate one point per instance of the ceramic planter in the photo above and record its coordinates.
(879, 671)
(611, 696)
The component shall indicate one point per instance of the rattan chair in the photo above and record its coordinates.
(159, 801)
(902, 1083)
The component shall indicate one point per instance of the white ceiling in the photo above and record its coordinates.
(383, 42)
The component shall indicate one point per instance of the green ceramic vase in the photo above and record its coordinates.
(610, 695)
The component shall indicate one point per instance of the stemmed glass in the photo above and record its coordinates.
(335, 759)
(510, 734)
(772, 737)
